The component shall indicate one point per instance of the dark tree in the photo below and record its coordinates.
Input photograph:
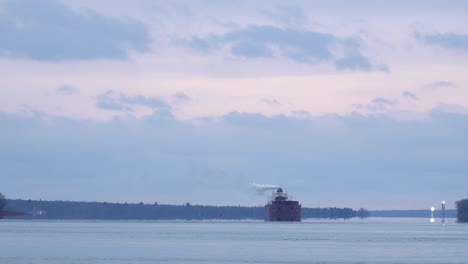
(2, 201)
(462, 207)
(2, 204)
(363, 213)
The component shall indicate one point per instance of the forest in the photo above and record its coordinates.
(34, 209)
(2, 201)
(462, 208)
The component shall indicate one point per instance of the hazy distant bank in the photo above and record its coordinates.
(412, 213)
(35, 209)
(126, 211)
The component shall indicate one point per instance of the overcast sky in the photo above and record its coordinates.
(361, 104)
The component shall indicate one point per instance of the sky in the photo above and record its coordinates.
(347, 104)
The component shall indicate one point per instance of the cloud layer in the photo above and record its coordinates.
(210, 96)
(113, 100)
(301, 46)
(452, 41)
(327, 160)
(50, 31)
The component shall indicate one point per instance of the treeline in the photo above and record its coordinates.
(334, 213)
(2, 201)
(2, 204)
(413, 213)
(126, 211)
(462, 208)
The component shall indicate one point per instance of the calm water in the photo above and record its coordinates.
(355, 241)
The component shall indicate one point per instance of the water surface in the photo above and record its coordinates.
(312, 241)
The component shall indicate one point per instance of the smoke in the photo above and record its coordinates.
(261, 188)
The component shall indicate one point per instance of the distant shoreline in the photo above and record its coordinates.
(38, 209)
(452, 213)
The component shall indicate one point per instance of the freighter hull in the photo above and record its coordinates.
(283, 211)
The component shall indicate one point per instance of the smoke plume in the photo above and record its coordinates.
(261, 188)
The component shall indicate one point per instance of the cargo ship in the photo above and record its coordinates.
(280, 208)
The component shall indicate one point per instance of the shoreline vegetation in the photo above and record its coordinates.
(38, 209)
(462, 208)
(35, 209)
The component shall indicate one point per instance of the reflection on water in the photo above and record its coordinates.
(389, 240)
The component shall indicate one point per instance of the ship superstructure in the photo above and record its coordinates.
(281, 208)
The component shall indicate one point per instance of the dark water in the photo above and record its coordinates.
(353, 241)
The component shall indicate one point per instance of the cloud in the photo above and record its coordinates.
(451, 108)
(446, 40)
(29, 110)
(382, 101)
(109, 101)
(111, 105)
(51, 31)
(181, 97)
(354, 61)
(342, 153)
(113, 100)
(66, 90)
(288, 15)
(441, 84)
(152, 102)
(300, 46)
(250, 49)
(410, 95)
(377, 104)
(300, 113)
(271, 102)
